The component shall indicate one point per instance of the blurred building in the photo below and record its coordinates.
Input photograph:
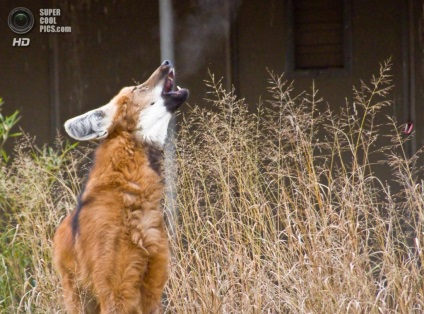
(116, 43)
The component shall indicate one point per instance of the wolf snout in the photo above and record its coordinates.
(166, 63)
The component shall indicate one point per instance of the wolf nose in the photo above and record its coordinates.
(167, 62)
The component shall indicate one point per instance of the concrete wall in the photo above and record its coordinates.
(263, 43)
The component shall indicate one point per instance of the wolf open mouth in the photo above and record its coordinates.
(173, 98)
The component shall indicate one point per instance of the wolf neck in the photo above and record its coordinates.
(125, 167)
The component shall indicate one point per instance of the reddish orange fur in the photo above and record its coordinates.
(119, 257)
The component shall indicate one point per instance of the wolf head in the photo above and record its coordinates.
(143, 111)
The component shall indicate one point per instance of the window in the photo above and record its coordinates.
(320, 36)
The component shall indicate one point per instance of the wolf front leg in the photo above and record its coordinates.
(70, 295)
(64, 262)
(77, 301)
(154, 281)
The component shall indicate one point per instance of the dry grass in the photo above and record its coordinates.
(273, 220)
(38, 188)
(280, 210)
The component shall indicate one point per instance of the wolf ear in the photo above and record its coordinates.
(91, 125)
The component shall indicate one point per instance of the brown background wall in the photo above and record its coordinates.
(263, 43)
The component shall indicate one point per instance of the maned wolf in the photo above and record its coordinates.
(112, 250)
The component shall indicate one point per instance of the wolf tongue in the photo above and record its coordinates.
(168, 85)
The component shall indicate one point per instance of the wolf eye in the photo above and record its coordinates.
(152, 104)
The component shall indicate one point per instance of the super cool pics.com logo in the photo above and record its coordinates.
(21, 21)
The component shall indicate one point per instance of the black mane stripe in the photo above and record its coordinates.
(155, 156)
(75, 218)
